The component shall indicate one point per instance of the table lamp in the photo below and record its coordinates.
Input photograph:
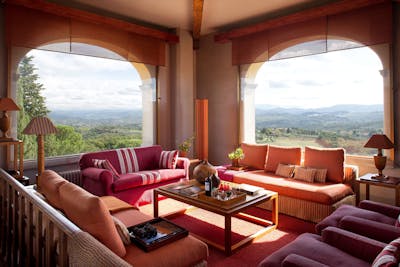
(379, 141)
(40, 126)
(6, 104)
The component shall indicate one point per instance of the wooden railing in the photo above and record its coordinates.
(30, 236)
(33, 233)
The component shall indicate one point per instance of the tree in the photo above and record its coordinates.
(66, 141)
(31, 102)
(34, 104)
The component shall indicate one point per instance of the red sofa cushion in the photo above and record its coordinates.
(331, 159)
(131, 180)
(254, 155)
(310, 246)
(325, 193)
(285, 155)
(344, 210)
(147, 158)
(91, 215)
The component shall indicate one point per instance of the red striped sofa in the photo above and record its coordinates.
(133, 174)
(308, 200)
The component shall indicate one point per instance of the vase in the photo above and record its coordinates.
(183, 154)
(202, 170)
(235, 162)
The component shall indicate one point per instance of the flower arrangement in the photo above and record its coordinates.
(186, 144)
(237, 154)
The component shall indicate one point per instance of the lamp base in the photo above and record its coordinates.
(380, 177)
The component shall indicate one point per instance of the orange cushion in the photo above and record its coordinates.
(331, 159)
(254, 155)
(49, 185)
(324, 193)
(188, 251)
(284, 155)
(89, 213)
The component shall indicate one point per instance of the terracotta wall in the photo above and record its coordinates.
(3, 71)
(396, 79)
(217, 80)
(182, 88)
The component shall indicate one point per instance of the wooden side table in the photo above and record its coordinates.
(18, 158)
(367, 179)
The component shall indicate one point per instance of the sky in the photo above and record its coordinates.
(343, 77)
(83, 82)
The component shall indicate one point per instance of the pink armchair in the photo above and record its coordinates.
(335, 247)
(371, 219)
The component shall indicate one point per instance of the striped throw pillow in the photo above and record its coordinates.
(122, 231)
(397, 223)
(105, 164)
(320, 175)
(389, 256)
(128, 161)
(285, 170)
(168, 159)
(304, 174)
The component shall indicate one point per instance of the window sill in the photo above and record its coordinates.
(53, 161)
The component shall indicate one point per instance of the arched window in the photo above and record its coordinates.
(333, 99)
(95, 103)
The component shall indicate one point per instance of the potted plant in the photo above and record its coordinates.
(235, 156)
(185, 146)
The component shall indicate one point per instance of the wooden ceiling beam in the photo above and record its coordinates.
(301, 16)
(197, 19)
(73, 13)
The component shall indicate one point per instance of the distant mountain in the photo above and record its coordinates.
(96, 117)
(329, 118)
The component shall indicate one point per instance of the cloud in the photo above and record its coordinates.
(81, 82)
(343, 77)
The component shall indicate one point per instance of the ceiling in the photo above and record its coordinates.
(218, 15)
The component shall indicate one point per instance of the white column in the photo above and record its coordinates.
(148, 111)
(247, 111)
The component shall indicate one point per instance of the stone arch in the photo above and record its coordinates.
(248, 85)
(146, 74)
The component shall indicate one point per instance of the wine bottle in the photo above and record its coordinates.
(208, 185)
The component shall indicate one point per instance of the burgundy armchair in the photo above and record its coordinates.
(371, 219)
(335, 247)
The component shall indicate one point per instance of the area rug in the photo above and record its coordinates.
(211, 226)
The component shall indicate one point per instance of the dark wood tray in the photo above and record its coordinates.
(167, 232)
(239, 198)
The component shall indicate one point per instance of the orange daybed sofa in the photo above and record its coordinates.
(61, 224)
(310, 187)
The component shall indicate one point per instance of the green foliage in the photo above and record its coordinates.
(186, 144)
(351, 140)
(66, 141)
(236, 154)
(33, 102)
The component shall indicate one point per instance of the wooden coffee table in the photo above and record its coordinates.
(228, 211)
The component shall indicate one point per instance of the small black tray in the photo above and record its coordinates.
(167, 232)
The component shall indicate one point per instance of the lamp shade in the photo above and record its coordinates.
(379, 141)
(7, 104)
(40, 126)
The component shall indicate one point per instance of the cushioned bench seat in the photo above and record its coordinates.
(137, 179)
(324, 193)
(161, 256)
(311, 185)
(94, 215)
